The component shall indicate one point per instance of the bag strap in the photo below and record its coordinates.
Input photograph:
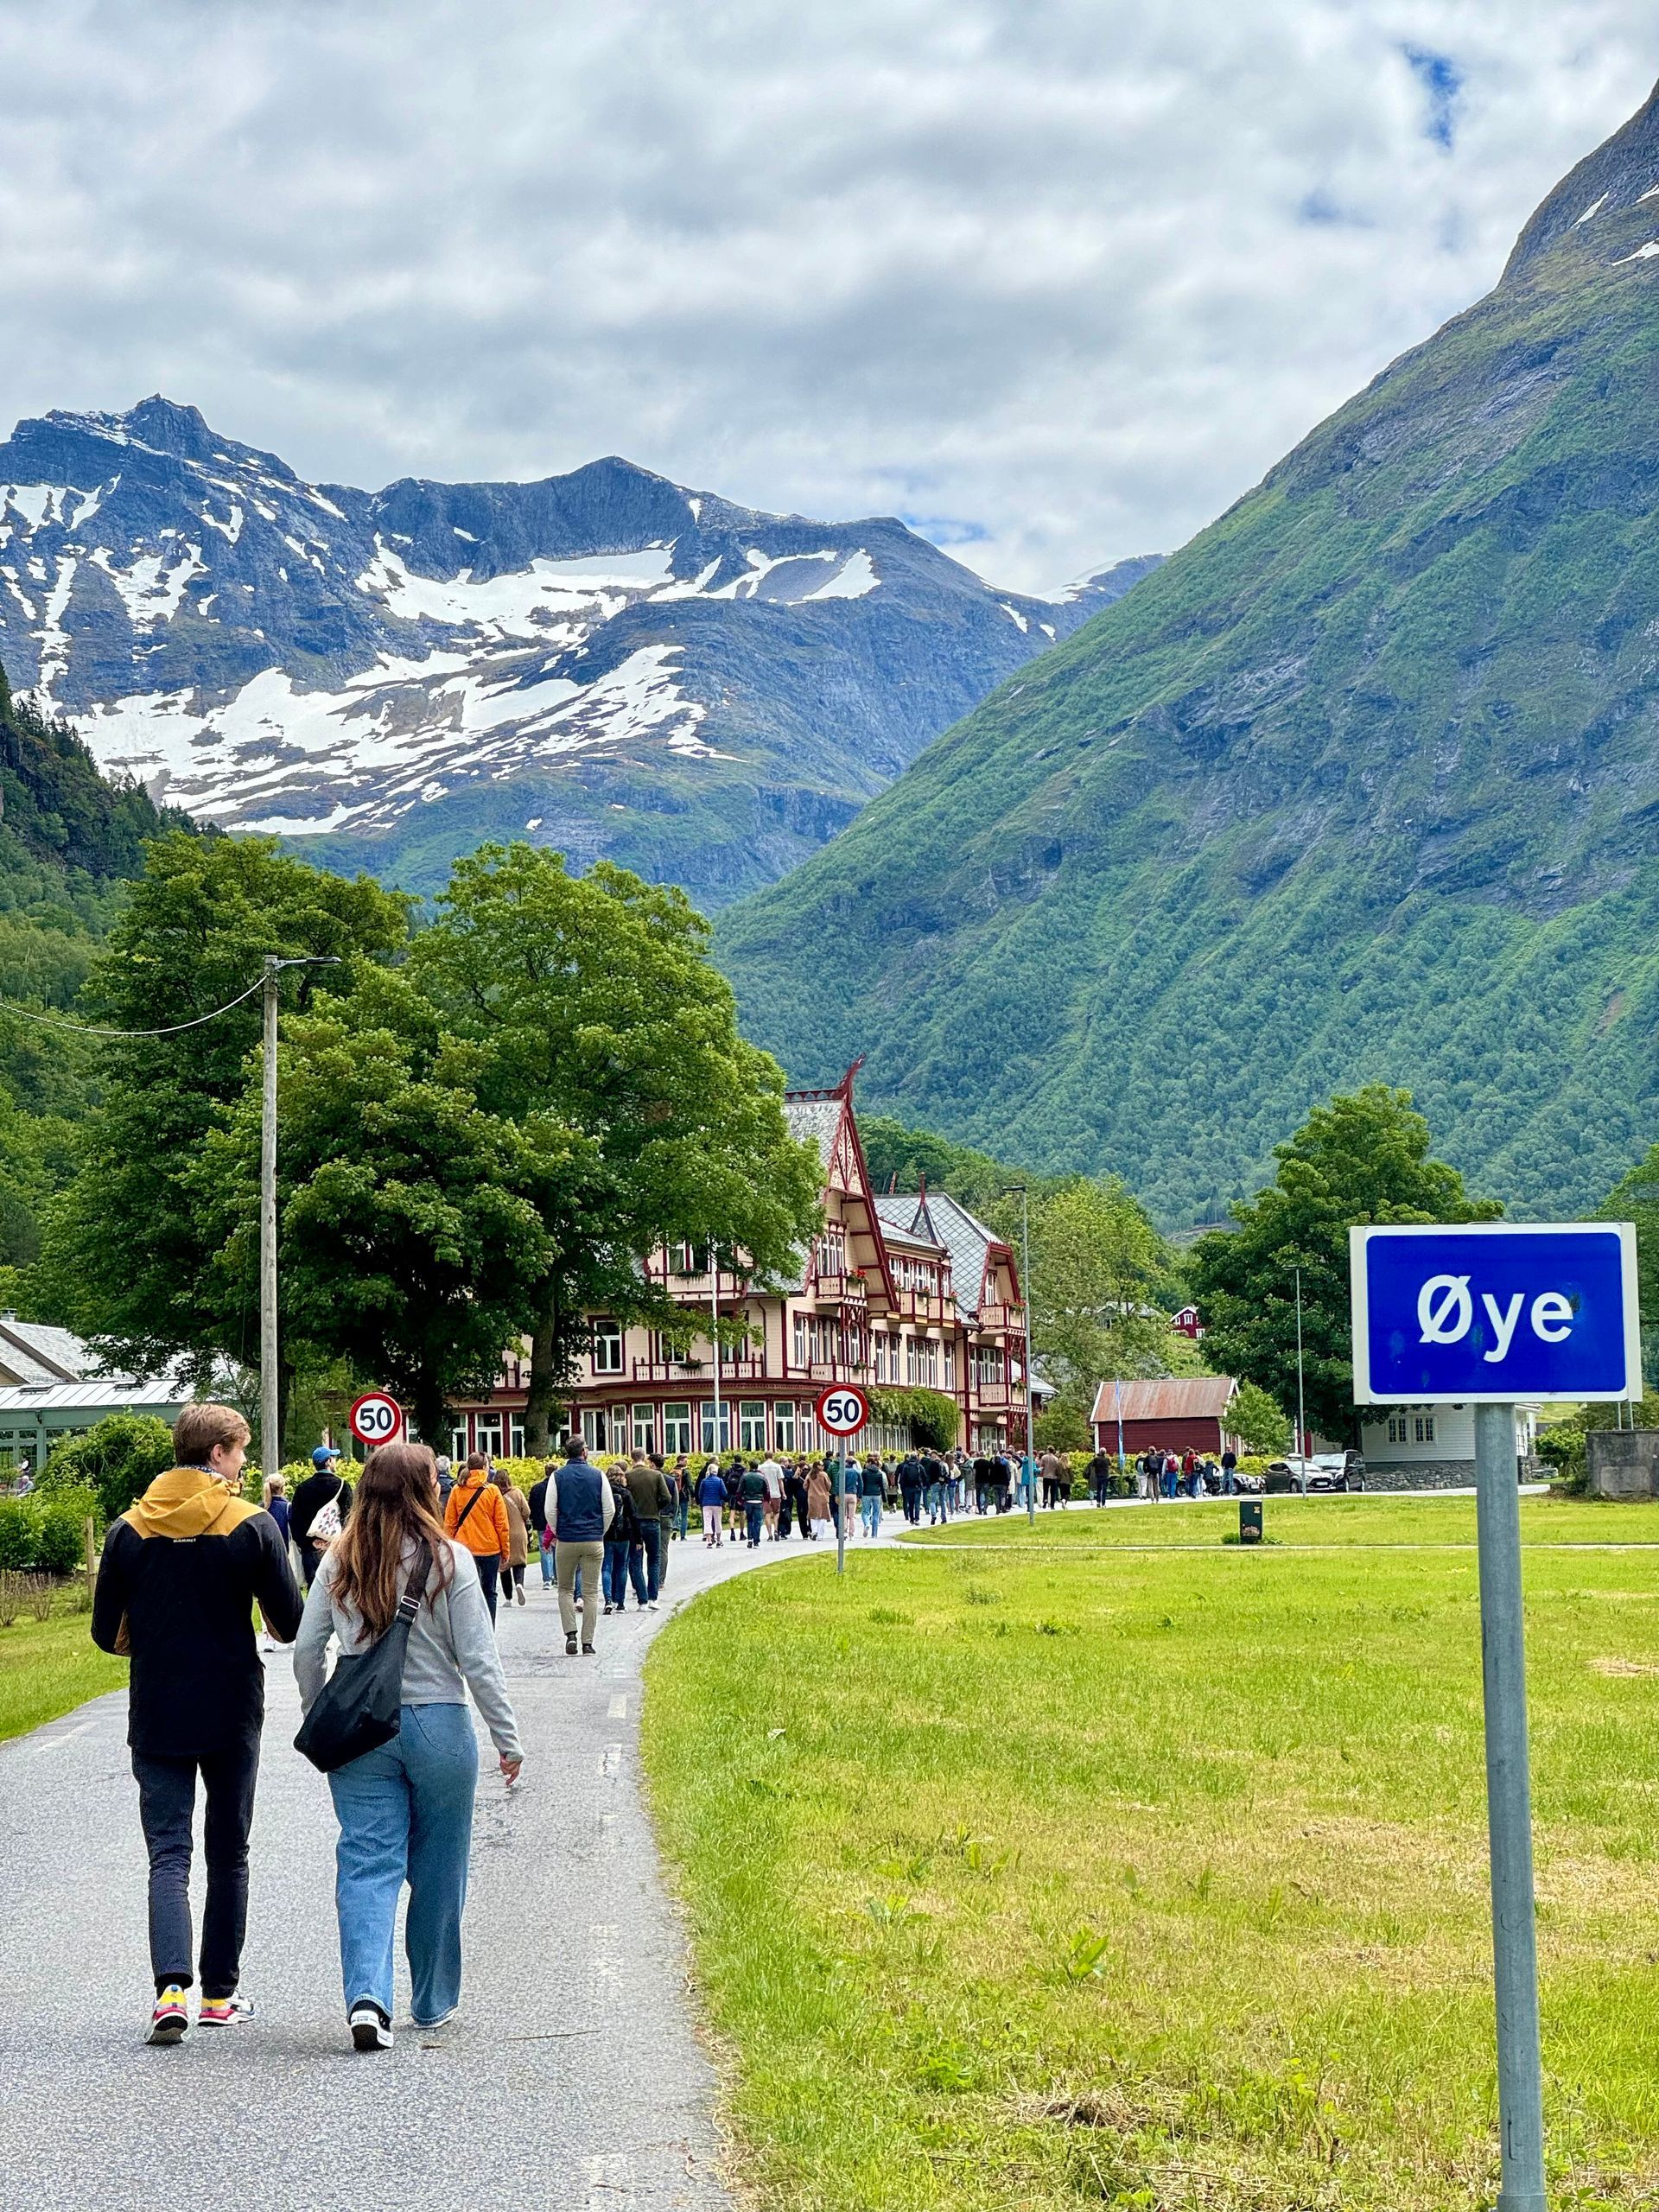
(460, 1518)
(410, 1603)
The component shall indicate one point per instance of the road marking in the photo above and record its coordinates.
(619, 1708)
(51, 1743)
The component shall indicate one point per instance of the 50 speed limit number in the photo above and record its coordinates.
(842, 1410)
(377, 1418)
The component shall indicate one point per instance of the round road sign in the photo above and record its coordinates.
(843, 1409)
(377, 1418)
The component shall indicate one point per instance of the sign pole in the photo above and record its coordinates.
(270, 1449)
(1508, 1812)
(840, 1511)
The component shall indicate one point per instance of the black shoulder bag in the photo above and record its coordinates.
(361, 1704)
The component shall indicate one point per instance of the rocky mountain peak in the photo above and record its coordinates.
(1607, 209)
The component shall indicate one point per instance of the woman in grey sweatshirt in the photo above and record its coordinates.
(405, 1810)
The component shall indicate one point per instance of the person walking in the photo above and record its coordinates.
(852, 1494)
(752, 1490)
(1055, 1481)
(1228, 1472)
(277, 1505)
(652, 1502)
(446, 1479)
(683, 1488)
(405, 1809)
(910, 1487)
(476, 1514)
(874, 1487)
(711, 1502)
(517, 1505)
(1100, 1476)
(622, 1549)
(580, 1505)
(820, 1503)
(182, 1573)
(318, 1511)
(538, 1503)
(796, 1506)
(772, 1475)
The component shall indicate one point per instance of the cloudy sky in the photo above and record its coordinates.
(1056, 280)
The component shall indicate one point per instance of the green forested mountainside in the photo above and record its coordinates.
(68, 842)
(1363, 784)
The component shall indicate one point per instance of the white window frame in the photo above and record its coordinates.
(751, 1425)
(609, 1346)
(492, 1433)
(706, 1425)
(782, 1424)
(594, 1430)
(676, 1426)
(642, 1428)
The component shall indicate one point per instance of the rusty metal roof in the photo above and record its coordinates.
(1169, 1398)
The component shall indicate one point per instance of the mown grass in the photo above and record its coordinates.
(1157, 1878)
(49, 1666)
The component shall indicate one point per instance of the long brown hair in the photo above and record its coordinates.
(394, 1499)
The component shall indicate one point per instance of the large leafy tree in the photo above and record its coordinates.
(1360, 1160)
(593, 1005)
(411, 1239)
(129, 1249)
(1635, 1198)
(1100, 1283)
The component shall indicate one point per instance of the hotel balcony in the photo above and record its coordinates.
(923, 1306)
(694, 1375)
(830, 1289)
(1001, 1321)
(996, 1397)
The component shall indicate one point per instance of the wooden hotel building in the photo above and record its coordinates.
(898, 1289)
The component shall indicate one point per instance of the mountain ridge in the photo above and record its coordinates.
(1361, 782)
(603, 660)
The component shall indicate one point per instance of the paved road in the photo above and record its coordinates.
(572, 2080)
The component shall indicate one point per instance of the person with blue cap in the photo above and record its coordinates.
(318, 1509)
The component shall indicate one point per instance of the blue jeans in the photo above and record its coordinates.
(405, 1814)
(547, 1567)
(754, 1518)
(869, 1507)
(935, 1503)
(653, 1545)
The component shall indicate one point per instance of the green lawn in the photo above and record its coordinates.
(1155, 1878)
(48, 1667)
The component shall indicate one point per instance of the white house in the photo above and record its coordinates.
(1430, 1447)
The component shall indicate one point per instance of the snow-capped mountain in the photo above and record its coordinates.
(602, 661)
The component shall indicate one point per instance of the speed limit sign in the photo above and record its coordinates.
(843, 1410)
(377, 1418)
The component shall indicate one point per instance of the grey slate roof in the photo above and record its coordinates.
(946, 1222)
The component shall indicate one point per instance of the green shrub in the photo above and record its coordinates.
(16, 1536)
(931, 1416)
(61, 1533)
(119, 1460)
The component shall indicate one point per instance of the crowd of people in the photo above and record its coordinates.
(411, 1562)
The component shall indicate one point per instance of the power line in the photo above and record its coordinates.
(87, 1029)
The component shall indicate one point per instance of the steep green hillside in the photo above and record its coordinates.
(1363, 783)
(69, 841)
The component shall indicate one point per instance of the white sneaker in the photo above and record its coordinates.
(651, 1605)
(371, 2030)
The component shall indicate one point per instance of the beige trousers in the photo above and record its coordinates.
(590, 1558)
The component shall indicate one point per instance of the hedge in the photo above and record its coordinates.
(46, 1535)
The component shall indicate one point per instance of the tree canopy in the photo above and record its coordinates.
(1358, 1160)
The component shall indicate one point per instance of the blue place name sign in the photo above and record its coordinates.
(1491, 1311)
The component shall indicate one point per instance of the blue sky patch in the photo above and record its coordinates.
(1442, 80)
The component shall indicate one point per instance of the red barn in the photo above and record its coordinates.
(1175, 1411)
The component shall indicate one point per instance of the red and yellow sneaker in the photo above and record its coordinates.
(224, 2011)
(171, 2021)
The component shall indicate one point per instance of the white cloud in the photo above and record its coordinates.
(1059, 282)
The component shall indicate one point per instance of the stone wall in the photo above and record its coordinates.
(1420, 1474)
(1624, 1462)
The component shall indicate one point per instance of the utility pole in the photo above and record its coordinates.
(1031, 1417)
(270, 1416)
(714, 1331)
(1301, 1409)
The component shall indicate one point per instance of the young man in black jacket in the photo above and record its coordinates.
(181, 1574)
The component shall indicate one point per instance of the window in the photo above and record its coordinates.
(751, 1425)
(677, 1427)
(645, 1428)
(783, 1423)
(458, 1441)
(593, 1429)
(1397, 1429)
(708, 1425)
(798, 1331)
(950, 1363)
(809, 1425)
(608, 1348)
(516, 1431)
(929, 1352)
(490, 1427)
(1424, 1425)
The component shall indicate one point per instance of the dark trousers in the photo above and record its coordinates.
(166, 1804)
(755, 1515)
(511, 1578)
(613, 1576)
(650, 1552)
(802, 1512)
(489, 1572)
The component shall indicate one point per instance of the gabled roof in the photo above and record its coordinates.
(1169, 1398)
(968, 1241)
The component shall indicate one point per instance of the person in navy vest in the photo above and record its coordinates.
(580, 1504)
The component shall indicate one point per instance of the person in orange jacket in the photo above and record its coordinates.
(475, 1515)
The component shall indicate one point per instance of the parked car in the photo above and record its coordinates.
(1318, 1470)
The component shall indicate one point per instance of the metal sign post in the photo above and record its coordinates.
(843, 1411)
(1488, 1314)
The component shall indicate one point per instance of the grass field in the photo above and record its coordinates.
(48, 1667)
(1057, 1871)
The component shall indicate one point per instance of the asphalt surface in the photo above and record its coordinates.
(572, 2080)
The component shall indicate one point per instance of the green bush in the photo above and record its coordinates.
(16, 1536)
(119, 1460)
(931, 1416)
(60, 1532)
